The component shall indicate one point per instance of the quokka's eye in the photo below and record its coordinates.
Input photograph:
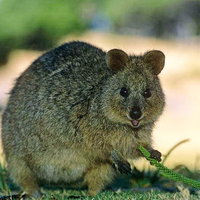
(147, 93)
(124, 92)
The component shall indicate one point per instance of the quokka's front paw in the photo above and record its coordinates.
(155, 155)
(122, 166)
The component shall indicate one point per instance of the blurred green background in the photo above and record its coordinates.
(39, 24)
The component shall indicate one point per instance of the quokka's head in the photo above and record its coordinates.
(133, 95)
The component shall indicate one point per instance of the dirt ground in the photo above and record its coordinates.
(180, 80)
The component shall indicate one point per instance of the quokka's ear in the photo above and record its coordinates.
(116, 59)
(156, 60)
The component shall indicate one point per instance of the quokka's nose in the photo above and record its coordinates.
(135, 113)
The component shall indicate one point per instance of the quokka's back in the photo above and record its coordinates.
(52, 88)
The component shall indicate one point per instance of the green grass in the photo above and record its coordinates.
(138, 187)
(120, 195)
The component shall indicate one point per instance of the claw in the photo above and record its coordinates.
(156, 155)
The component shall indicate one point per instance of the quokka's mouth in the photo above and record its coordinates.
(135, 123)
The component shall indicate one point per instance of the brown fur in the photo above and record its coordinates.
(65, 118)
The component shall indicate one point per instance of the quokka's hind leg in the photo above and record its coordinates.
(24, 177)
(98, 177)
